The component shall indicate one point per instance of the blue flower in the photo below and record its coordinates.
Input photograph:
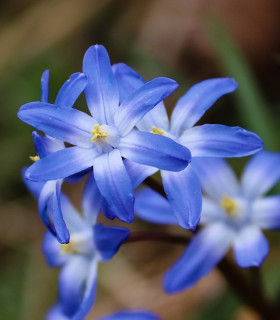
(183, 188)
(89, 244)
(233, 213)
(105, 138)
(48, 193)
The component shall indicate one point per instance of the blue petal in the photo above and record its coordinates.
(66, 124)
(184, 194)
(56, 313)
(92, 200)
(107, 211)
(71, 89)
(216, 177)
(250, 247)
(142, 100)
(50, 210)
(211, 211)
(131, 315)
(62, 164)
(35, 187)
(203, 253)
(153, 207)
(138, 172)
(260, 174)
(114, 184)
(129, 80)
(52, 251)
(78, 176)
(198, 99)
(266, 212)
(154, 150)
(72, 284)
(214, 140)
(89, 293)
(102, 91)
(46, 145)
(45, 86)
(108, 240)
(72, 217)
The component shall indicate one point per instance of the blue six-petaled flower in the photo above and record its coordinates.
(183, 188)
(105, 138)
(233, 213)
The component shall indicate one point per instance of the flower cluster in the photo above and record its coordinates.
(125, 138)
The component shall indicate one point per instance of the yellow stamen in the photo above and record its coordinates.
(229, 205)
(35, 158)
(157, 130)
(67, 248)
(97, 133)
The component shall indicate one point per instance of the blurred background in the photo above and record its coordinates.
(187, 40)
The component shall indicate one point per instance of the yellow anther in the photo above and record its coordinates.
(67, 248)
(229, 205)
(97, 133)
(157, 130)
(35, 158)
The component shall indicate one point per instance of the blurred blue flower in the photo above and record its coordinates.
(183, 188)
(48, 193)
(103, 139)
(89, 244)
(233, 213)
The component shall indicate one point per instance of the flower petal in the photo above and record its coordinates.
(129, 80)
(198, 99)
(62, 164)
(142, 100)
(114, 184)
(52, 251)
(184, 194)
(66, 124)
(203, 253)
(216, 177)
(73, 294)
(154, 150)
(214, 140)
(260, 174)
(108, 240)
(102, 91)
(92, 200)
(72, 217)
(131, 314)
(211, 211)
(71, 89)
(56, 313)
(46, 145)
(89, 293)
(153, 207)
(45, 86)
(138, 172)
(35, 187)
(250, 247)
(50, 210)
(266, 212)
